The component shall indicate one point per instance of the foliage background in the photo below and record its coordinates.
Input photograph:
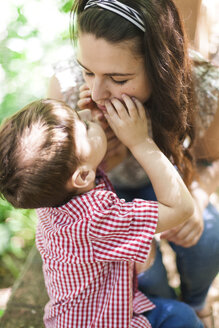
(34, 34)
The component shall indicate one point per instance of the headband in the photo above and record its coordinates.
(119, 8)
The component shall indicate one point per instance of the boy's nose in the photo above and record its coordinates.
(85, 114)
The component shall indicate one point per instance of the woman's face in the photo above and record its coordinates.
(111, 70)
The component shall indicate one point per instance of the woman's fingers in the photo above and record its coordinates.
(186, 234)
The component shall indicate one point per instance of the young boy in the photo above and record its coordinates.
(88, 238)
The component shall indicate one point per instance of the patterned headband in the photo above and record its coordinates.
(119, 8)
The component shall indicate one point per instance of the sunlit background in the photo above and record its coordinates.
(207, 36)
(34, 35)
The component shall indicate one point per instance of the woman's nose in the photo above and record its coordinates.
(99, 91)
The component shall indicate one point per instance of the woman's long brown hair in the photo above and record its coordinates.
(164, 48)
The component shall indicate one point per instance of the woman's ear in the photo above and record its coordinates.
(83, 177)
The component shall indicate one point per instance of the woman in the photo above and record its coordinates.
(143, 53)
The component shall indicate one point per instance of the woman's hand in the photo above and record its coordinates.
(188, 233)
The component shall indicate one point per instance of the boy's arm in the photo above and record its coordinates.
(129, 123)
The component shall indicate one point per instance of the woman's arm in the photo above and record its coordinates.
(207, 182)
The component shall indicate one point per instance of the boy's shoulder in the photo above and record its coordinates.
(100, 197)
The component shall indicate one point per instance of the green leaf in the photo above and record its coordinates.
(66, 7)
(1, 312)
(11, 266)
(21, 18)
(4, 238)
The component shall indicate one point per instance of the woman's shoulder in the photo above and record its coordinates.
(69, 76)
(206, 83)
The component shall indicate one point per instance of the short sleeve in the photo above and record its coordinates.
(122, 231)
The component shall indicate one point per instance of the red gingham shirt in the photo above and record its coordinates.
(89, 247)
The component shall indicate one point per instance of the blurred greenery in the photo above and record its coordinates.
(17, 228)
(34, 34)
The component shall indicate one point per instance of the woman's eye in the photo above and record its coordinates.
(114, 81)
(119, 82)
(88, 74)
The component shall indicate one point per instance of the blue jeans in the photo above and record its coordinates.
(197, 265)
(172, 314)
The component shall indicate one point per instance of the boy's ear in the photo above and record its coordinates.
(82, 177)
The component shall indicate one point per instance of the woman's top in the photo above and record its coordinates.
(206, 81)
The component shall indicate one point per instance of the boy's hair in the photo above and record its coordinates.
(37, 150)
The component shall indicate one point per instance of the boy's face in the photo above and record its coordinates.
(90, 139)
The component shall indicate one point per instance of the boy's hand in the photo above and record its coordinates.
(128, 120)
